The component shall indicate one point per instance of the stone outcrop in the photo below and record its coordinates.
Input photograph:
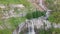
(36, 4)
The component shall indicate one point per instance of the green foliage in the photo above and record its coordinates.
(35, 14)
(5, 31)
(55, 7)
(42, 31)
(24, 2)
(12, 22)
(50, 31)
(49, 1)
(15, 21)
(29, 16)
(56, 30)
(55, 17)
(1, 22)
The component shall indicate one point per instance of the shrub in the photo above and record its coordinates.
(35, 14)
(55, 17)
(54, 5)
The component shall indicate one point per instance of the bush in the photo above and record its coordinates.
(5, 31)
(55, 17)
(42, 31)
(54, 5)
(35, 14)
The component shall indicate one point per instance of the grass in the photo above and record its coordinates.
(56, 30)
(13, 22)
(24, 2)
(54, 5)
(6, 31)
(55, 17)
(50, 31)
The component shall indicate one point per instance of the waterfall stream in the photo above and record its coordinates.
(31, 24)
(31, 28)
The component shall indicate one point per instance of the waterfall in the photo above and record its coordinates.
(47, 13)
(31, 28)
(33, 32)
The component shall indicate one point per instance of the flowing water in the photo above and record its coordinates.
(31, 28)
(31, 24)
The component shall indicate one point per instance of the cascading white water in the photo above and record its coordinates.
(31, 28)
(33, 32)
(47, 13)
